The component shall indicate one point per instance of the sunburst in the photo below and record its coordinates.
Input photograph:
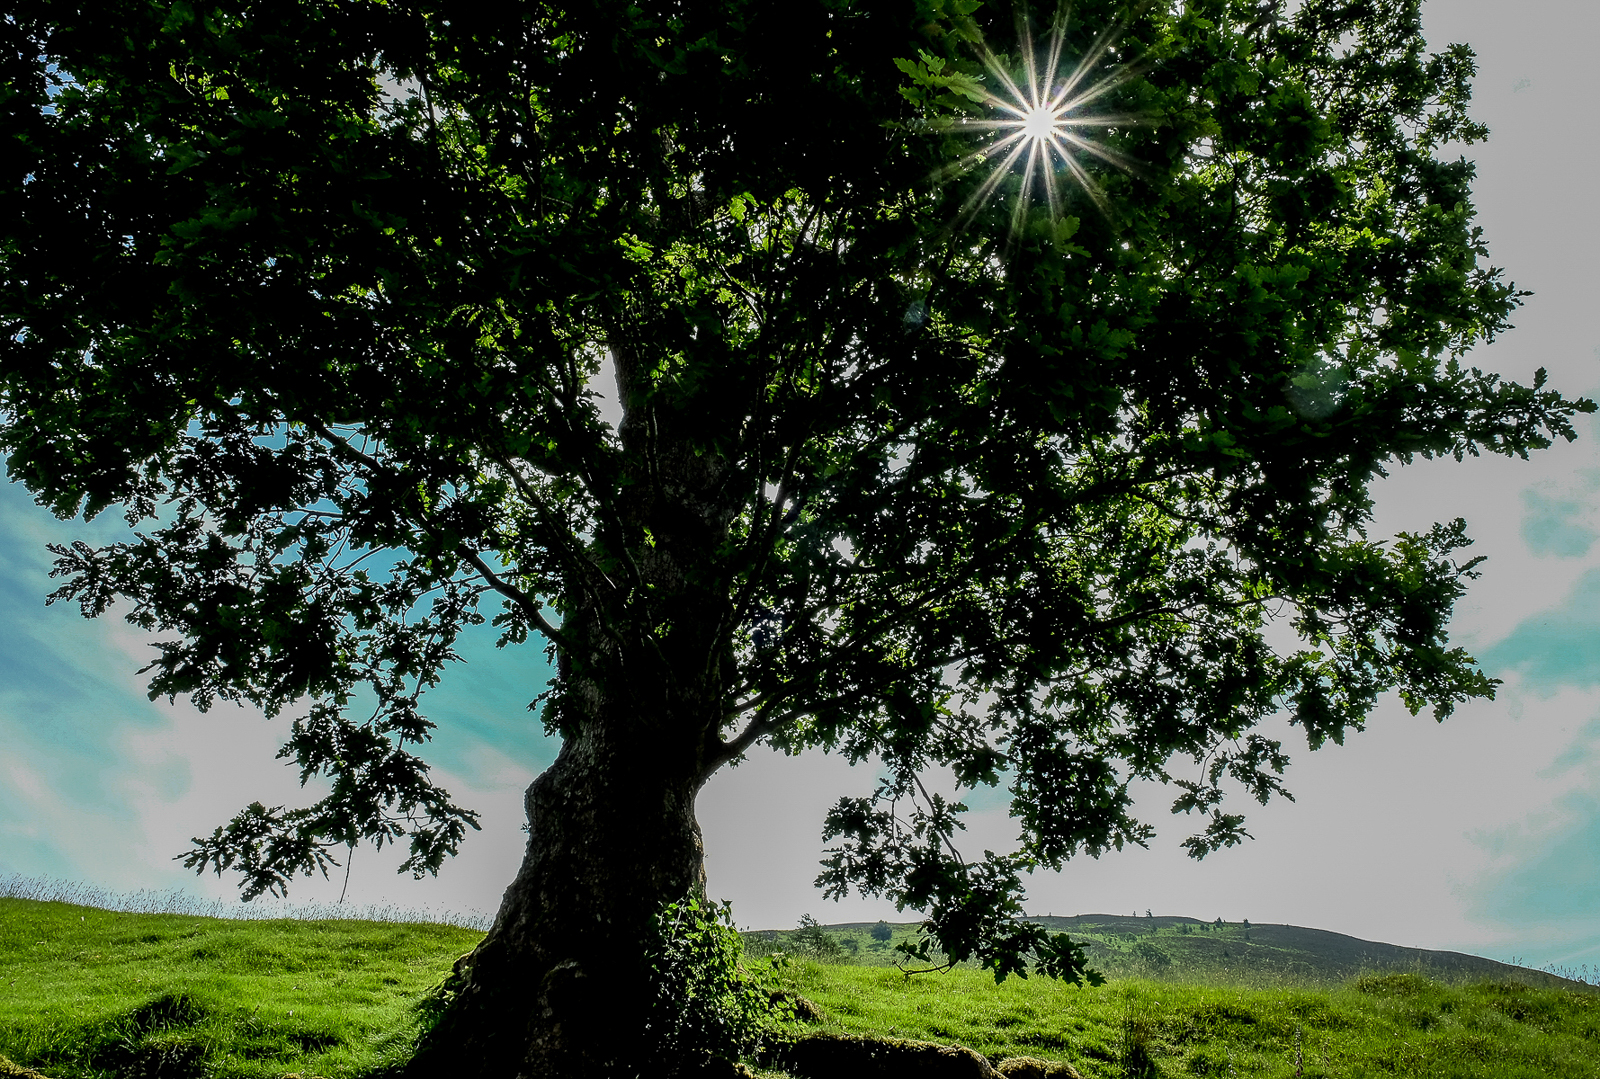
(1042, 122)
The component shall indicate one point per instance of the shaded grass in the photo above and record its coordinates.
(1377, 1025)
(96, 993)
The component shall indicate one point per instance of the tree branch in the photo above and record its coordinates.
(516, 595)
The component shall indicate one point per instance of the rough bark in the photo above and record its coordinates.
(557, 987)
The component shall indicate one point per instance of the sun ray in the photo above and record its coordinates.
(998, 175)
(1125, 73)
(1090, 185)
(1058, 37)
(1106, 154)
(1090, 57)
(966, 164)
(1017, 102)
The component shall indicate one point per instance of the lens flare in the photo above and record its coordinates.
(1043, 120)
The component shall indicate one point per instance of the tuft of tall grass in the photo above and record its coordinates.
(1586, 974)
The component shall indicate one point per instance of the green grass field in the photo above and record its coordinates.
(86, 992)
(89, 992)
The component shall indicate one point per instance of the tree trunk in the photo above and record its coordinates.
(558, 987)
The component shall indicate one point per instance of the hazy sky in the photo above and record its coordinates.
(1481, 834)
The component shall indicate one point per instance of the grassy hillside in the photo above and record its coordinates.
(1184, 949)
(87, 993)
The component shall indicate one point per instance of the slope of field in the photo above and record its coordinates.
(1186, 949)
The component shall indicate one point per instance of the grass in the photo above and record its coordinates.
(87, 993)
(1376, 1025)
(90, 993)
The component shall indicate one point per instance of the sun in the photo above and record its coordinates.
(1039, 124)
(1042, 120)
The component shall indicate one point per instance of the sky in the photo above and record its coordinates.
(1481, 834)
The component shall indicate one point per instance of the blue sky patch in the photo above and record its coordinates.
(1556, 647)
(1549, 526)
(1559, 878)
(68, 692)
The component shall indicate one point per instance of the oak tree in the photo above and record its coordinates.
(1044, 470)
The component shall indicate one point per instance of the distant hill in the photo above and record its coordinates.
(1189, 949)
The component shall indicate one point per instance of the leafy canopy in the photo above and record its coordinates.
(319, 292)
